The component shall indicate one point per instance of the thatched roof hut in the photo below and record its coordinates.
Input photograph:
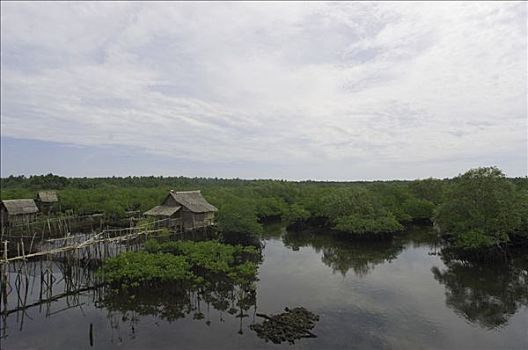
(14, 211)
(19, 206)
(47, 197)
(193, 200)
(190, 208)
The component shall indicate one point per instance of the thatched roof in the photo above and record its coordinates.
(162, 210)
(20, 206)
(194, 201)
(47, 196)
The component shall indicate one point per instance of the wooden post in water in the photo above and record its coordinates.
(4, 277)
(91, 335)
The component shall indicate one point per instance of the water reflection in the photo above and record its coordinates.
(399, 305)
(41, 290)
(342, 255)
(172, 302)
(485, 294)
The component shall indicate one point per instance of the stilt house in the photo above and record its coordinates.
(47, 201)
(187, 209)
(17, 211)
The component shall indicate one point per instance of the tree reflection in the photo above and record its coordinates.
(485, 294)
(173, 302)
(342, 255)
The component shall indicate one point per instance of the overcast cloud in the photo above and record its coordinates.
(274, 90)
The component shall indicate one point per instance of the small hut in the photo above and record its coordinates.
(190, 208)
(15, 211)
(47, 201)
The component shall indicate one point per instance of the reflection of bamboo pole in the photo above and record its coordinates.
(49, 300)
(91, 334)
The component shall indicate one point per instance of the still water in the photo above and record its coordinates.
(386, 295)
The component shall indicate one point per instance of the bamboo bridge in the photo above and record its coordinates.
(65, 267)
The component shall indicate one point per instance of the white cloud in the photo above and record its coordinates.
(313, 84)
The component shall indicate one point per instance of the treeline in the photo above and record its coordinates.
(479, 210)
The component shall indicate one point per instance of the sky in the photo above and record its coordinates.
(323, 91)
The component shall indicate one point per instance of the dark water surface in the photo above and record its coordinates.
(391, 295)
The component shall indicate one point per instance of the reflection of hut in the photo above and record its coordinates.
(14, 211)
(47, 201)
(189, 208)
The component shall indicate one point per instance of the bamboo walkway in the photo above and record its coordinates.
(100, 238)
(40, 269)
(62, 268)
(37, 245)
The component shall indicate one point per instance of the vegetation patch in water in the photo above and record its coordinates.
(134, 269)
(182, 261)
(236, 262)
(291, 325)
(173, 279)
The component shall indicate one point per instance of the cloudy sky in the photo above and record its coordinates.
(324, 91)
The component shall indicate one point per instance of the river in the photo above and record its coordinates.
(383, 295)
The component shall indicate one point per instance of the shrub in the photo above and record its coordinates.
(419, 209)
(358, 212)
(142, 268)
(482, 210)
(201, 261)
(362, 225)
(238, 216)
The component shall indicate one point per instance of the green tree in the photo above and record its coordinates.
(430, 189)
(482, 210)
(357, 211)
(419, 209)
(238, 216)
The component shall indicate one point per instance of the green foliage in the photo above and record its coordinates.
(110, 199)
(243, 272)
(16, 193)
(474, 239)
(296, 213)
(343, 202)
(183, 261)
(171, 279)
(238, 215)
(431, 190)
(358, 212)
(142, 268)
(152, 246)
(392, 197)
(270, 207)
(363, 225)
(521, 233)
(212, 256)
(482, 210)
(419, 209)
(458, 205)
